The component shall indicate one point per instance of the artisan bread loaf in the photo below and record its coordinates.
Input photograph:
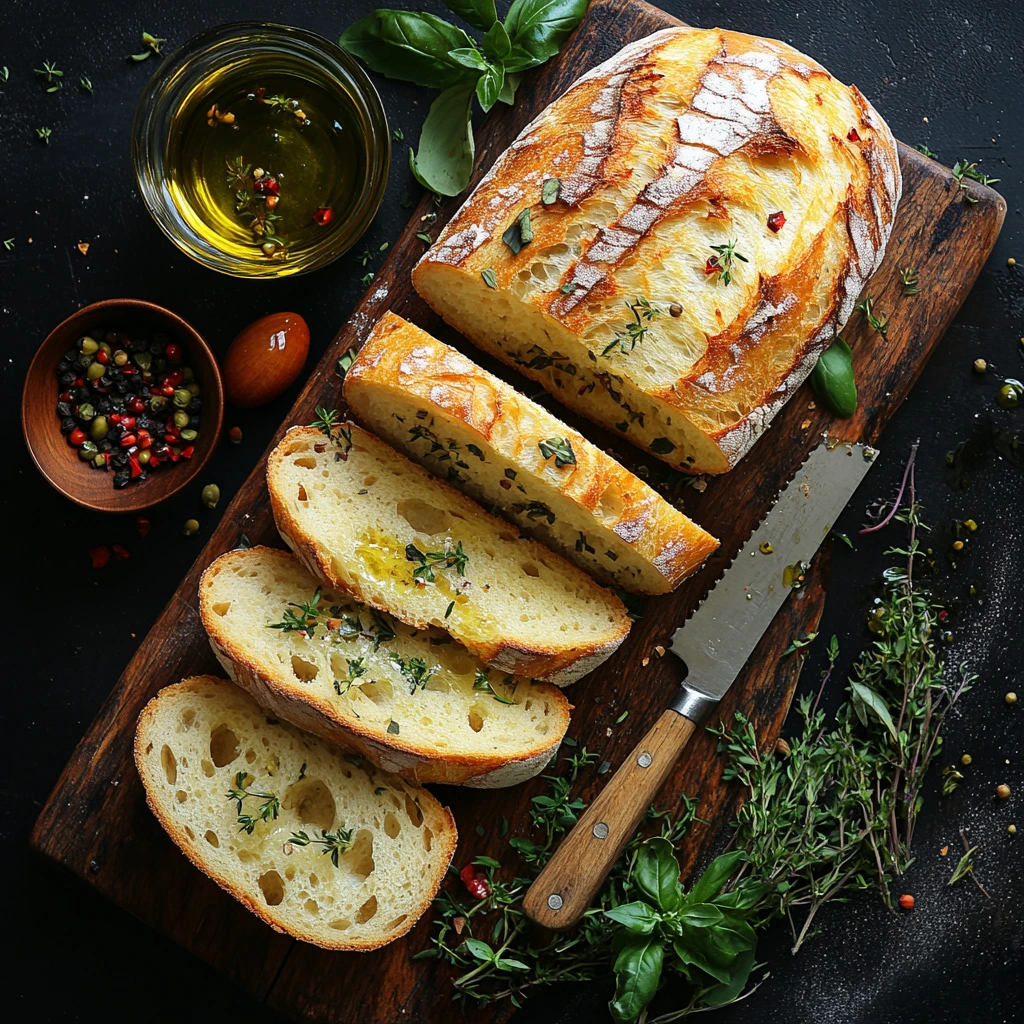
(325, 848)
(412, 701)
(366, 520)
(703, 210)
(467, 426)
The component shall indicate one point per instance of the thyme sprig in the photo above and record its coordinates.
(256, 195)
(429, 561)
(867, 307)
(643, 312)
(334, 843)
(962, 169)
(481, 681)
(415, 671)
(723, 261)
(152, 44)
(329, 423)
(269, 809)
(908, 275)
(51, 74)
(356, 670)
(303, 621)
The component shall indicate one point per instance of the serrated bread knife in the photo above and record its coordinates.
(714, 643)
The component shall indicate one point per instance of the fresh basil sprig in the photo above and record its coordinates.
(434, 53)
(832, 379)
(704, 932)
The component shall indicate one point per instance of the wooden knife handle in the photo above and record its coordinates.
(563, 891)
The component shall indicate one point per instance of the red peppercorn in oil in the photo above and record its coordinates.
(264, 158)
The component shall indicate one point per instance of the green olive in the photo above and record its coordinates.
(191, 526)
(1010, 394)
(100, 461)
(211, 495)
(181, 419)
(99, 428)
(87, 451)
(120, 357)
(157, 403)
(88, 346)
(189, 435)
(95, 371)
(182, 397)
(143, 456)
(86, 412)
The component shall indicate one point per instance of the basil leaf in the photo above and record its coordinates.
(508, 90)
(716, 874)
(637, 973)
(541, 26)
(444, 160)
(470, 57)
(520, 59)
(832, 379)
(409, 46)
(496, 42)
(727, 992)
(701, 915)
(488, 86)
(657, 873)
(479, 13)
(689, 953)
(637, 917)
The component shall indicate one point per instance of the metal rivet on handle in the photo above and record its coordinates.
(600, 830)
(555, 901)
(644, 760)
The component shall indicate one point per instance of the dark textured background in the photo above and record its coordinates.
(949, 77)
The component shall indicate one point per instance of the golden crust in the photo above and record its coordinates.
(686, 139)
(558, 665)
(263, 681)
(439, 818)
(400, 355)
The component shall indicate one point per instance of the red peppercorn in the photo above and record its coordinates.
(78, 436)
(115, 418)
(137, 405)
(100, 556)
(174, 378)
(323, 216)
(121, 552)
(907, 902)
(65, 396)
(167, 391)
(171, 438)
(173, 353)
(943, 615)
(129, 371)
(852, 135)
(267, 185)
(128, 422)
(102, 357)
(145, 441)
(712, 267)
(133, 462)
(128, 440)
(776, 220)
(142, 524)
(475, 881)
(186, 453)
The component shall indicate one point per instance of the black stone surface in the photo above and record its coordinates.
(948, 75)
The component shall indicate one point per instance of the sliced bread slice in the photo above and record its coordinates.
(467, 426)
(413, 701)
(325, 848)
(365, 519)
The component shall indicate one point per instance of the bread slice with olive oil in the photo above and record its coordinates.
(412, 701)
(366, 520)
(323, 847)
(466, 425)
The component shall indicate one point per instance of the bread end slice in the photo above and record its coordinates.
(193, 742)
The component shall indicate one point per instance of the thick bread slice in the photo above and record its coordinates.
(356, 512)
(683, 148)
(414, 702)
(465, 425)
(192, 741)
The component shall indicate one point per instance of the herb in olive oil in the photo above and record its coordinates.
(265, 158)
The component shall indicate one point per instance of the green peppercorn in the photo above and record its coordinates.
(191, 526)
(99, 428)
(143, 360)
(187, 373)
(120, 357)
(181, 419)
(1009, 395)
(157, 403)
(189, 434)
(85, 360)
(143, 457)
(182, 397)
(87, 451)
(100, 461)
(88, 346)
(95, 371)
(211, 495)
(86, 412)
(193, 388)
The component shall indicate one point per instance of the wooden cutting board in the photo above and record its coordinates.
(96, 822)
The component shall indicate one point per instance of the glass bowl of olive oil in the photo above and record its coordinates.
(261, 150)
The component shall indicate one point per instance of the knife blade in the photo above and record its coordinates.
(715, 643)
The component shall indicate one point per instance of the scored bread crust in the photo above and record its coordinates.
(309, 710)
(683, 140)
(437, 817)
(400, 357)
(523, 656)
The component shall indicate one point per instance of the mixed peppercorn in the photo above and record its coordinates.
(128, 405)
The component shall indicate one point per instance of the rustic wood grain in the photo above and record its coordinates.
(96, 822)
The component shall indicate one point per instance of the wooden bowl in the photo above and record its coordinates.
(58, 461)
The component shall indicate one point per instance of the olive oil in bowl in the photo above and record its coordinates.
(261, 150)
